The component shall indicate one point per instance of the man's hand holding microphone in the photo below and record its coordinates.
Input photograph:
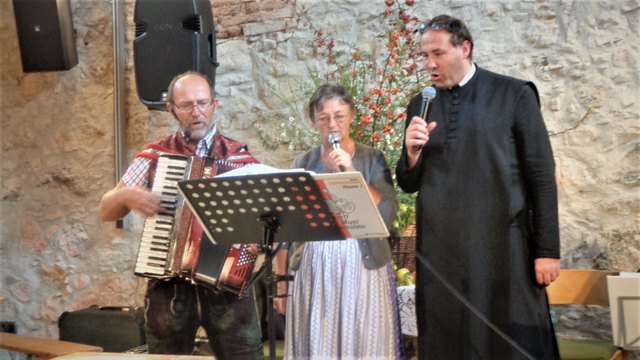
(417, 133)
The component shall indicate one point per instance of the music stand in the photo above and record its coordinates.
(230, 210)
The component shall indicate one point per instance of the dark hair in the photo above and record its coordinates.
(458, 30)
(327, 92)
(184, 74)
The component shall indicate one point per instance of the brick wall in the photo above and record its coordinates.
(236, 18)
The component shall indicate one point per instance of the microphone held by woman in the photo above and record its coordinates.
(334, 139)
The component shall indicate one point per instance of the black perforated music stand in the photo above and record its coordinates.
(252, 208)
(230, 208)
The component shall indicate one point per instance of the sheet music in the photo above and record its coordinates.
(350, 196)
(254, 169)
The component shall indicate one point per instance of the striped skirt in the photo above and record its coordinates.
(338, 309)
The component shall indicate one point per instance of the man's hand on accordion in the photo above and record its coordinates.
(120, 200)
(143, 202)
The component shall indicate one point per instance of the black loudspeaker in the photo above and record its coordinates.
(46, 35)
(115, 329)
(172, 36)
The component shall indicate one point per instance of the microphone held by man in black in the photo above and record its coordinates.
(428, 94)
(334, 139)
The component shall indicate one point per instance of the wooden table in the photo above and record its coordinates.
(42, 348)
(117, 356)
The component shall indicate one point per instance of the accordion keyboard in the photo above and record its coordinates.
(155, 245)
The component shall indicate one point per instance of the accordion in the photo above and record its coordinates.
(173, 243)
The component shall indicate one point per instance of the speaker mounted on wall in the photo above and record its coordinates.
(46, 35)
(171, 37)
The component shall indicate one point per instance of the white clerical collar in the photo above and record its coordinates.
(469, 75)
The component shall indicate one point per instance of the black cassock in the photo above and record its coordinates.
(487, 207)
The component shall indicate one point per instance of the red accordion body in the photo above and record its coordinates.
(173, 244)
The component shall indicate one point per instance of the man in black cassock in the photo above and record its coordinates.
(487, 212)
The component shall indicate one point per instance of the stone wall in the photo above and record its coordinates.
(58, 132)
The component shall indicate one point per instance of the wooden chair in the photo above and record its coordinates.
(584, 287)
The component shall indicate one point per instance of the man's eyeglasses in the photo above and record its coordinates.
(187, 107)
(435, 26)
(325, 119)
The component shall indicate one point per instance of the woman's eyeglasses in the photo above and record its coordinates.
(325, 119)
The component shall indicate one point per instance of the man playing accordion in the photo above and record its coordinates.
(176, 307)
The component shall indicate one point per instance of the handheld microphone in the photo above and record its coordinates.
(334, 139)
(428, 94)
(187, 134)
